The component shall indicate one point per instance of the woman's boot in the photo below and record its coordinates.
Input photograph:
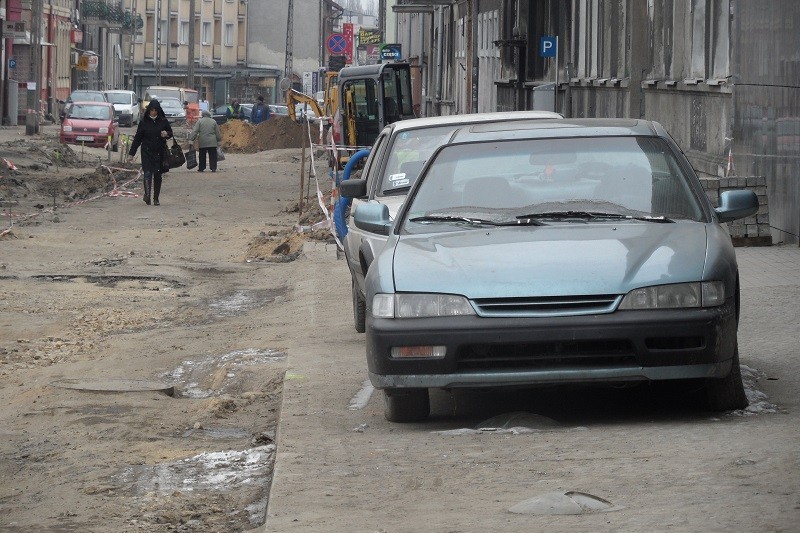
(147, 181)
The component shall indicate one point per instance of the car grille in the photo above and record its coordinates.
(547, 306)
(78, 131)
(583, 354)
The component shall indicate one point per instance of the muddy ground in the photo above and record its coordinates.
(141, 348)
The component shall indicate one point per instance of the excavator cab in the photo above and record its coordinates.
(372, 96)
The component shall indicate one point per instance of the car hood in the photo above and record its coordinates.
(86, 123)
(123, 107)
(566, 259)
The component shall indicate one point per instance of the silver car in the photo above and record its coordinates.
(393, 165)
(551, 252)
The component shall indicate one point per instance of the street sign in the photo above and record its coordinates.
(548, 46)
(14, 29)
(336, 43)
(391, 52)
(12, 63)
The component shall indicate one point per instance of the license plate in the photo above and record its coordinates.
(84, 138)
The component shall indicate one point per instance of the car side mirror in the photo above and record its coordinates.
(373, 218)
(353, 188)
(734, 205)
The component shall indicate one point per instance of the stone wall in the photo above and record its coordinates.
(750, 231)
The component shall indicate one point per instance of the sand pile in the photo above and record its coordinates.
(278, 132)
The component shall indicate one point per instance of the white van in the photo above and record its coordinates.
(126, 106)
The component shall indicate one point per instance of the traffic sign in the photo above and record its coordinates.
(12, 63)
(336, 43)
(548, 46)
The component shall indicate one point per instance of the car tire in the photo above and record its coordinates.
(359, 310)
(727, 393)
(406, 405)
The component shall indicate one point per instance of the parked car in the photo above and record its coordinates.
(81, 95)
(392, 167)
(90, 124)
(279, 109)
(552, 252)
(173, 110)
(220, 113)
(127, 108)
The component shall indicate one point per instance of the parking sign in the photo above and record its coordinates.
(548, 46)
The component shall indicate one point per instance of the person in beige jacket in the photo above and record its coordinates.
(208, 136)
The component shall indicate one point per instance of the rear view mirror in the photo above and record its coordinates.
(353, 188)
(373, 218)
(734, 205)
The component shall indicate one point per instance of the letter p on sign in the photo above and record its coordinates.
(548, 46)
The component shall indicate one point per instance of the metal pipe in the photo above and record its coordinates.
(439, 60)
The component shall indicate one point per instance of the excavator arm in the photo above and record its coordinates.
(296, 97)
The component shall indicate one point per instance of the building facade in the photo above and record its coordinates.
(723, 76)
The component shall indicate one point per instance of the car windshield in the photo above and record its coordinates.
(171, 105)
(87, 97)
(407, 155)
(571, 179)
(90, 112)
(161, 94)
(119, 98)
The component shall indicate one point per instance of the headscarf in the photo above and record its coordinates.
(154, 105)
(206, 113)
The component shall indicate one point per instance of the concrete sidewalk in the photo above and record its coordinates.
(341, 467)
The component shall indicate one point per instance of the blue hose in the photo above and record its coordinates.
(339, 219)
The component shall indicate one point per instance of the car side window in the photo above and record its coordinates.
(372, 166)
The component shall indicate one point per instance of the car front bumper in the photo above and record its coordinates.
(617, 347)
(98, 140)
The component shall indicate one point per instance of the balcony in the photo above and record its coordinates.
(109, 14)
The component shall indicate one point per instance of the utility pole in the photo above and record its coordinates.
(158, 41)
(35, 77)
(287, 66)
(190, 66)
(132, 52)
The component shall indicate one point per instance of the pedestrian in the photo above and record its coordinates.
(152, 134)
(206, 131)
(260, 111)
(203, 105)
(235, 111)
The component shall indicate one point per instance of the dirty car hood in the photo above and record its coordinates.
(564, 259)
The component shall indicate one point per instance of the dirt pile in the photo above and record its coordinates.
(40, 153)
(277, 132)
(285, 245)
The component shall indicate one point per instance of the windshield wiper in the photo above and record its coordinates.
(587, 215)
(475, 221)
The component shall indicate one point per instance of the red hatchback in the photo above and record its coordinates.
(90, 124)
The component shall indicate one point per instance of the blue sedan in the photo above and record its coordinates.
(554, 251)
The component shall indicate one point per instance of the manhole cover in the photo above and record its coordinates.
(115, 385)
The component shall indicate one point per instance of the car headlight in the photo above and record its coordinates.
(67, 129)
(409, 305)
(679, 295)
(102, 130)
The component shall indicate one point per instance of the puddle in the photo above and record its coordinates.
(152, 283)
(242, 301)
(757, 399)
(564, 503)
(217, 433)
(223, 471)
(114, 385)
(515, 423)
(205, 378)
(361, 399)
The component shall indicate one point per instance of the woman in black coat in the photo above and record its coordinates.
(152, 135)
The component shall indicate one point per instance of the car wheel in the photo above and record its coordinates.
(727, 393)
(359, 310)
(406, 405)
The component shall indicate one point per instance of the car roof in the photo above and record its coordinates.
(92, 102)
(469, 118)
(544, 129)
(118, 91)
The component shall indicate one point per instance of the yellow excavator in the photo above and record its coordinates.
(359, 102)
(293, 98)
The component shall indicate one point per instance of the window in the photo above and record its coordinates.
(206, 33)
(183, 32)
(163, 32)
(228, 35)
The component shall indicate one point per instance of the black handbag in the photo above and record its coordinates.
(191, 158)
(175, 155)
